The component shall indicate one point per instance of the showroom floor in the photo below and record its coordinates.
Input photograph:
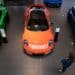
(12, 59)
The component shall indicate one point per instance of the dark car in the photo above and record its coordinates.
(71, 18)
(53, 3)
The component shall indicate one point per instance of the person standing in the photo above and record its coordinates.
(66, 62)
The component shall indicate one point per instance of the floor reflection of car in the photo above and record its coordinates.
(53, 3)
(71, 18)
(38, 37)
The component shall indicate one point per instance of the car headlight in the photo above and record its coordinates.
(50, 42)
(26, 42)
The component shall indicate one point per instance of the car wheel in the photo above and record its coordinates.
(60, 68)
(0, 40)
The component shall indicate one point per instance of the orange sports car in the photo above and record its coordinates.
(38, 37)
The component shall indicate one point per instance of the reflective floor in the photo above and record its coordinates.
(12, 59)
(18, 2)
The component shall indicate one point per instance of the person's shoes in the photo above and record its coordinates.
(60, 70)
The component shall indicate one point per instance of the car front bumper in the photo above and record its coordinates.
(29, 50)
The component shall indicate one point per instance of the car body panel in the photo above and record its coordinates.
(35, 37)
(53, 3)
(2, 20)
(3, 15)
(37, 40)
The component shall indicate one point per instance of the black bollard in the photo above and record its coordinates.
(56, 34)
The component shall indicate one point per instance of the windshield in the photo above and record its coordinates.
(37, 21)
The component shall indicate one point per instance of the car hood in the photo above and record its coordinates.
(38, 37)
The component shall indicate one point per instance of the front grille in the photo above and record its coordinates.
(43, 46)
